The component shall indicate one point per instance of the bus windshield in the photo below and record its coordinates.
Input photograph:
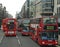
(10, 24)
(49, 35)
(25, 28)
(49, 20)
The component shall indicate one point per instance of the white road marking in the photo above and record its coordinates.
(1, 38)
(18, 40)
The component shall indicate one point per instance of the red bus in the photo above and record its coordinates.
(25, 27)
(19, 29)
(9, 26)
(3, 25)
(44, 30)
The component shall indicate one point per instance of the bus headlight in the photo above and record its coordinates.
(56, 42)
(43, 42)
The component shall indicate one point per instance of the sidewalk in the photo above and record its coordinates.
(58, 46)
(1, 35)
(58, 40)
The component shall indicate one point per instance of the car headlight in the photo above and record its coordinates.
(43, 42)
(56, 42)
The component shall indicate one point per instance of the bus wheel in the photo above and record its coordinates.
(22, 34)
(54, 46)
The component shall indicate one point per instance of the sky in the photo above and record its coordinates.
(13, 6)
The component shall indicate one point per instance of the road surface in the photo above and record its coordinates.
(18, 41)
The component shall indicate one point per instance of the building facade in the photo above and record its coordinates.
(57, 9)
(32, 8)
(37, 8)
(43, 8)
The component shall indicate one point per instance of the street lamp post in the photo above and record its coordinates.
(52, 5)
(27, 9)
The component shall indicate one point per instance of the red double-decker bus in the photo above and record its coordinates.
(25, 27)
(44, 30)
(9, 26)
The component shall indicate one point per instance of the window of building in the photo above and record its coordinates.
(48, 5)
(44, 0)
(58, 1)
(48, 10)
(58, 11)
(47, 0)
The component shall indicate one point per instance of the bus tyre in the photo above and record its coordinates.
(22, 35)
